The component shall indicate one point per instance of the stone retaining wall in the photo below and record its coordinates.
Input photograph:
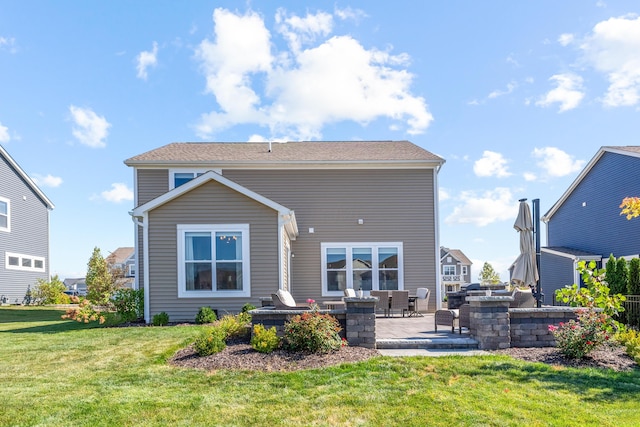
(530, 326)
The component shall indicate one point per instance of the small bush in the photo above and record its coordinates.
(160, 319)
(233, 326)
(264, 340)
(576, 339)
(205, 315)
(129, 304)
(50, 292)
(85, 313)
(247, 307)
(631, 340)
(312, 332)
(210, 341)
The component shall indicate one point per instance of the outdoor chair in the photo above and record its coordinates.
(383, 301)
(464, 320)
(420, 303)
(446, 317)
(282, 300)
(399, 301)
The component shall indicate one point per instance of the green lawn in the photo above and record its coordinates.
(61, 373)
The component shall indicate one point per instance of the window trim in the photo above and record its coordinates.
(195, 172)
(444, 270)
(243, 229)
(22, 257)
(349, 246)
(465, 270)
(8, 203)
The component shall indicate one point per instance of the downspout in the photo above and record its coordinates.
(436, 225)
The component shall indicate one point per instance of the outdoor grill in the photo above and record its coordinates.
(457, 298)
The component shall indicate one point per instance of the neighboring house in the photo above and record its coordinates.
(223, 224)
(24, 231)
(585, 224)
(455, 269)
(122, 265)
(78, 285)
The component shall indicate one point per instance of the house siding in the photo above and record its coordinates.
(28, 235)
(395, 205)
(556, 272)
(612, 178)
(211, 203)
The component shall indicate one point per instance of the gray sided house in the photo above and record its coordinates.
(24, 231)
(456, 269)
(223, 224)
(585, 224)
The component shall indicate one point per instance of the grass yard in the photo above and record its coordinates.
(56, 372)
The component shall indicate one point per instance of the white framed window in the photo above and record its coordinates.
(213, 260)
(5, 214)
(449, 270)
(177, 177)
(23, 262)
(366, 266)
(131, 270)
(464, 270)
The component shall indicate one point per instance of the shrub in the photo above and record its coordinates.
(85, 313)
(129, 304)
(312, 332)
(264, 340)
(205, 315)
(247, 307)
(160, 319)
(631, 340)
(51, 292)
(233, 326)
(576, 339)
(622, 273)
(633, 285)
(210, 341)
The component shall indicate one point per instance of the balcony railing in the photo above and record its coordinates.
(452, 278)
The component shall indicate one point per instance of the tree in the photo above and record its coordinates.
(622, 277)
(630, 207)
(488, 275)
(100, 283)
(633, 285)
(611, 274)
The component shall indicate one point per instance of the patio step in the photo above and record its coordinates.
(428, 343)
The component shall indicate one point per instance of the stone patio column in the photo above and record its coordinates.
(489, 321)
(361, 321)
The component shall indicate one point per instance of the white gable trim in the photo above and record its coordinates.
(287, 215)
(546, 217)
(26, 178)
(571, 256)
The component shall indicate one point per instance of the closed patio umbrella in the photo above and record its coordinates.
(525, 271)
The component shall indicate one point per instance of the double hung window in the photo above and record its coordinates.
(449, 270)
(5, 224)
(213, 260)
(366, 266)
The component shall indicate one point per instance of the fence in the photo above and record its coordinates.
(631, 312)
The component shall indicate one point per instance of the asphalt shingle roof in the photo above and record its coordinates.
(312, 151)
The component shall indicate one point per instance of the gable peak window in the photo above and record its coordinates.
(178, 177)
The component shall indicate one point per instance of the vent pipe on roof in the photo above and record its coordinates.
(269, 146)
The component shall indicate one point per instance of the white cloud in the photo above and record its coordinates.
(146, 59)
(612, 48)
(566, 39)
(443, 194)
(529, 176)
(491, 164)
(350, 13)
(556, 162)
(46, 181)
(568, 92)
(9, 44)
(510, 88)
(119, 193)
(90, 129)
(481, 210)
(4, 134)
(304, 90)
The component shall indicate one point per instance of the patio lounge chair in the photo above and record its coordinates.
(282, 300)
(464, 320)
(446, 317)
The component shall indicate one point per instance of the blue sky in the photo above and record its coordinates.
(516, 96)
